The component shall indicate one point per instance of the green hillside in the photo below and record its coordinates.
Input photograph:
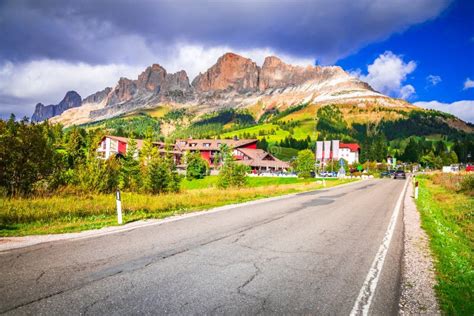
(379, 130)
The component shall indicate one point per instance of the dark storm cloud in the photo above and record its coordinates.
(123, 31)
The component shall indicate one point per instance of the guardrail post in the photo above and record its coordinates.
(119, 206)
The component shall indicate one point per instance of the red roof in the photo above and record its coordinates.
(351, 146)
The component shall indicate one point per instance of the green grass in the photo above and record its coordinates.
(448, 218)
(252, 182)
(283, 153)
(279, 135)
(61, 214)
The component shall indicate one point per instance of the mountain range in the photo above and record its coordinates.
(232, 82)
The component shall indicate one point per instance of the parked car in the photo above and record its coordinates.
(399, 174)
(386, 174)
(328, 174)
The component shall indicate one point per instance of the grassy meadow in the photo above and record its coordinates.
(446, 205)
(72, 213)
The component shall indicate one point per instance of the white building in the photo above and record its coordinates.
(349, 152)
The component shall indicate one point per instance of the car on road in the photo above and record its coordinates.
(387, 174)
(399, 174)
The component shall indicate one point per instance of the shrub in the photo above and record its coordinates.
(304, 163)
(197, 167)
(467, 184)
(231, 174)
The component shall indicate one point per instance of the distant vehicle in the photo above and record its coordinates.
(328, 174)
(470, 168)
(399, 174)
(386, 174)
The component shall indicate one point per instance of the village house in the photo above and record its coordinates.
(244, 151)
(110, 146)
(349, 152)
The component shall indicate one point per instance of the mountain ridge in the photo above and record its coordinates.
(233, 81)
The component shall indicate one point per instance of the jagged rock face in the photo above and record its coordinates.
(276, 74)
(231, 72)
(123, 92)
(71, 100)
(152, 84)
(152, 78)
(97, 97)
(234, 81)
(177, 81)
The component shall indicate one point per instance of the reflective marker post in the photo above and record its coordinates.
(119, 207)
(416, 190)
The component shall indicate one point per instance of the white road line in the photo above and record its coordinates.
(366, 294)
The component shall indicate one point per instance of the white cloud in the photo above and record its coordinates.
(468, 84)
(47, 81)
(388, 73)
(433, 79)
(407, 91)
(462, 109)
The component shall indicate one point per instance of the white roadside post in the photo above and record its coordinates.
(416, 190)
(119, 207)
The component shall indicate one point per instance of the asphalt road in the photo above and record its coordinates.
(305, 254)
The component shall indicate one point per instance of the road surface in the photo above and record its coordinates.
(305, 254)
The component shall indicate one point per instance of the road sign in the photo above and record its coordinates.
(341, 162)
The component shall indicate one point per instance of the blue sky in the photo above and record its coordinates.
(420, 50)
(442, 48)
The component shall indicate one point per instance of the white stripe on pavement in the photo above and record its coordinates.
(366, 294)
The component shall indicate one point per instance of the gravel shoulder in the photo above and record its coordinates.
(418, 274)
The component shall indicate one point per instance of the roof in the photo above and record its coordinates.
(257, 159)
(211, 144)
(350, 146)
(140, 142)
(255, 153)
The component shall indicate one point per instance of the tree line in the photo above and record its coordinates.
(44, 159)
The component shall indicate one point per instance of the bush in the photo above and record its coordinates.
(161, 176)
(304, 163)
(197, 167)
(231, 174)
(467, 184)
(98, 175)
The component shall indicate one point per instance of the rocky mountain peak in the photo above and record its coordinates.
(97, 97)
(152, 78)
(71, 100)
(231, 72)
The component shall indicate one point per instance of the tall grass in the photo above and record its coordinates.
(448, 218)
(58, 214)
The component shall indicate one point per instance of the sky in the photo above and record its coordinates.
(419, 50)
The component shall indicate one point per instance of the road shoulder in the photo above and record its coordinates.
(418, 274)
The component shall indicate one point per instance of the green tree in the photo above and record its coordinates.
(160, 174)
(412, 151)
(130, 177)
(231, 174)
(305, 163)
(196, 166)
(26, 155)
(262, 144)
